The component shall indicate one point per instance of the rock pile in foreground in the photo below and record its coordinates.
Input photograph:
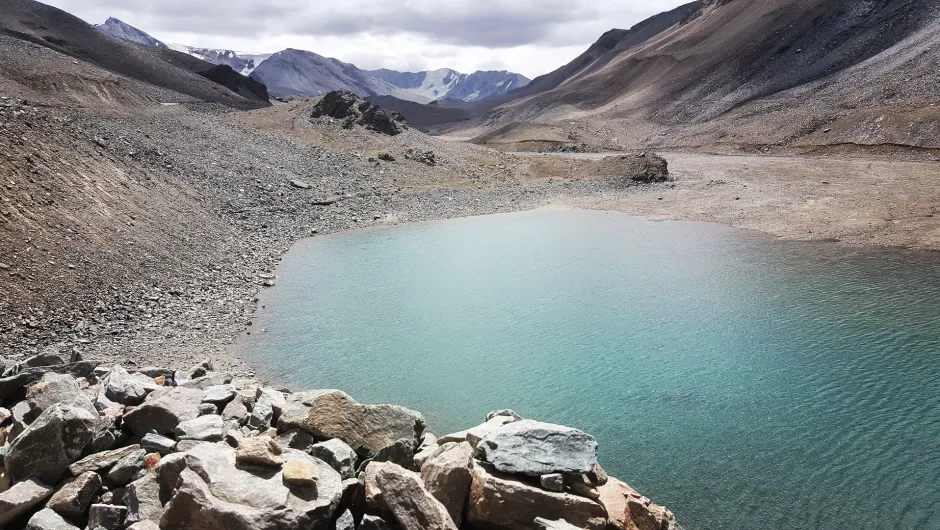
(353, 110)
(86, 446)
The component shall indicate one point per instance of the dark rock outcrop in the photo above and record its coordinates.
(347, 106)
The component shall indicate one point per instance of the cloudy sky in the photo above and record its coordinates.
(531, 37)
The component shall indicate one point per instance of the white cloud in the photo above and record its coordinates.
(531, 37)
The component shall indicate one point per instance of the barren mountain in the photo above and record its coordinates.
(57, 30)
(741, 72)
(298, 72)
(122, 30)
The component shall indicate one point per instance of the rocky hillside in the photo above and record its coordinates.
(153, 448)
(732, 71)
(121, 30)
(39, 24)
(450, 84)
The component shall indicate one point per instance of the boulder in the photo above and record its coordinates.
(502, 501)
(144, 525)
(50, 444)
(366, 428)
(236, 410)
(300, 473)
(395, 490)
(57, 388)
(203, 428)
(102, 460)
(208, 409)
(262, 413)
(106, 516)
(579, 484)
(48, 357)
(347, 106)
(213, 493)
(401, 452)
(74, 497)
(142, 499)
(338, 455)
(628, 510)
(508, 413)
(298, 439)
(446, 475)
(276, 397)
(259, 450)
(475, 434)
(534, 448)
(125, 468)
(20, 499)
(622, 170)
(553, 482)
(163, 410)
(48, 520)
(219, 395)
(27, 376)
(156, 443)
(121, 388)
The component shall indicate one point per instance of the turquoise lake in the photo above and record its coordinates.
(744, 382)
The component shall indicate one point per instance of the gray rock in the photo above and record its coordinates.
(121, 388)
(206, 381)
(261, 414)
(338, 455)
(99, 461)
(213, 493)
(561, 524)
(260, 451)
(76, 495)
(153, 372)
(425, 450)
(125, 468)
(208, 409)
(400, 452)
(373, 522)
(203, 428)
(446, 475)
(28, 376)
(142, 499)
(155, 443)
(164, 409)
(107, 516)
(201, 369)
(345, 521)
(366, 428)
(504, 412)
(219, 395)
(49, 357)
(20, 499)
(50, 444)
(297, 439)
(278, 399)
(144, 525)
(395, 490)
(553, 482)
(236, 410)
(48, 520)
(57, 388)
(534, 448)
(475, 434)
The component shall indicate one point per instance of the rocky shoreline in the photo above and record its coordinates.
(86, 445)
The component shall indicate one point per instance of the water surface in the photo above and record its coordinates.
(744, 382)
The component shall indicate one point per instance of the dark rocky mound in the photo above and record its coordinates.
(224, 75)
(345, 105)
(424, 117)
(643, 168)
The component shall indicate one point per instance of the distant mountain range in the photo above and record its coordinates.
(298, 72)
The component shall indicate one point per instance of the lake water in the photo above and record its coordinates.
(744, 382)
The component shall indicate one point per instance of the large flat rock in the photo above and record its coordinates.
(534, 448)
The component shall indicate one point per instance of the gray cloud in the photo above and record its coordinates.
(528, 36)
(485, 23)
